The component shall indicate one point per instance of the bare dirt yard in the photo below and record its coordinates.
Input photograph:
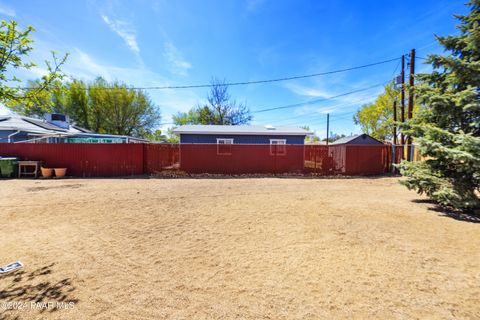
(266, 248)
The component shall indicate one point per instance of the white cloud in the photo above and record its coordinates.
(177, 64)
(84, 66)
(307, 91)
(125, 30)
(7, 11)
(333, 105)
(38, 71)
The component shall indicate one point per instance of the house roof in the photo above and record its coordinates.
(43, 124)
(241, 130)
(32, 125)
(81, 129)
(345, 140)
(38, 127)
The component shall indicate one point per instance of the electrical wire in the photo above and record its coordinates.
(306, 102)
(319, 100)
(311, 102)
(315, 114)
(195, 86)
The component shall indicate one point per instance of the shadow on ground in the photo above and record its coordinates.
(467, 216)
(23, 288)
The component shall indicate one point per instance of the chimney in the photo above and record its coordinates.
(57, 119)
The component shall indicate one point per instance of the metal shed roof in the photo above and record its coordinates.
(241, 130)
(352, 138)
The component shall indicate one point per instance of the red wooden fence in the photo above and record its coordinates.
(241, 158)
(82, 160)
(97, 160)
(158, 157)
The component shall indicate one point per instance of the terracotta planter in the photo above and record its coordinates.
(46, 172)
(60, 172)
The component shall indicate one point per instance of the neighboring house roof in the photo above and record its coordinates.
(241, 130)
(43, 124)
(81, 129)
(356, 138)
(37, 126)
(42, 128)
(18, 123)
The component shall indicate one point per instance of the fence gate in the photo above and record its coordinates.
(159, 157)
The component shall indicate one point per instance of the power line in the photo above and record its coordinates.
(319, 100)
(195, 86)
(314, 114)
(396, 68)
(287, 121)
(312, 101)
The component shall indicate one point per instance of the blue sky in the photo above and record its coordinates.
(158, 43)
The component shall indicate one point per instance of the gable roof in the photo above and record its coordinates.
(241, 130)
(362, 136)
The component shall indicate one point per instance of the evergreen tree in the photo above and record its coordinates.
(447, 127)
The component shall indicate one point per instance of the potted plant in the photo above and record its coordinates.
(46, 172)
(60, 172)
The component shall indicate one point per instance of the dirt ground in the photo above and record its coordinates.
(266, 248)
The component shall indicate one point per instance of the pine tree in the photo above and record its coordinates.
(447, 126)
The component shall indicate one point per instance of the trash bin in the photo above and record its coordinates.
(8, 167)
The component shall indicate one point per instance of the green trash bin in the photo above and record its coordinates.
(8, 167)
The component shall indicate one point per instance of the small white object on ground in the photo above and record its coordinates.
(11, 267)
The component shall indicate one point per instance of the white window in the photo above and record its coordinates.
(224, 146)
(278, 147)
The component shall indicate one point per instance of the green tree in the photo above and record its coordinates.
(334, 138)
(376, 118)
(311, 138)
(15, 46)
(447, 128)
(115, 108)
(159, 136)
(98, 106)
(219, 109)
(77, 103)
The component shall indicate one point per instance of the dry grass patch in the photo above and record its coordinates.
(235, 248)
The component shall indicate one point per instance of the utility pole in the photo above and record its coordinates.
(394, 145)
(328, 125)
(402, 103)
(410, 100)
(394, 122)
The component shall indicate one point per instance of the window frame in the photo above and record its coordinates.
(219, 144)
(281, 151)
